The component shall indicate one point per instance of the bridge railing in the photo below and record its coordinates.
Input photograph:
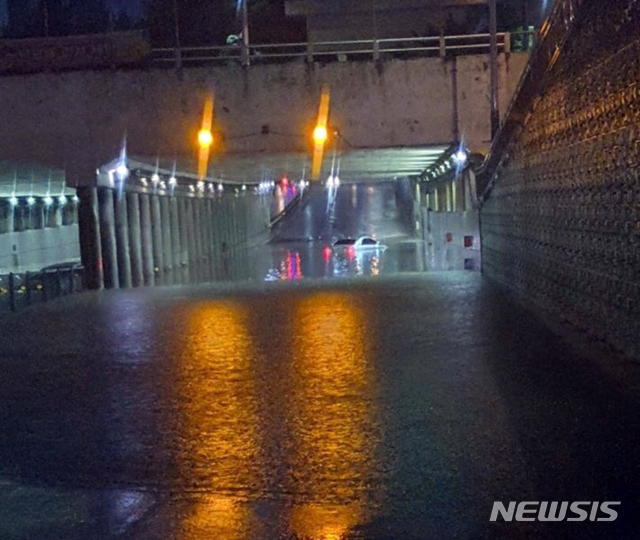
(377, 49)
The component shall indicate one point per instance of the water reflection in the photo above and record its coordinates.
(219, 446)
(312, 410)
(334, 422)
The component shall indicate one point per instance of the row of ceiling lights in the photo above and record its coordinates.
(48, 200)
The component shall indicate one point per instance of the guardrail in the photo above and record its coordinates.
(22, 289)
(377, 49)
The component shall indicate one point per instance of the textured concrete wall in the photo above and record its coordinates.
(561, 228)
(77, 120)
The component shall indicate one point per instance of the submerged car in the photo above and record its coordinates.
(362, 243)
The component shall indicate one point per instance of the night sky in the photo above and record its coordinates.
(133, 8)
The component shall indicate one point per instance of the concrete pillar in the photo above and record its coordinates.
(184, 229)
(158, 248)
(199, 241)
(175, 240)
(37, 215)
(215, 239)
(122, 240)
(206, 237)
(167, 248)
(191, 238)
(135, 239)
(108, 238)
(454, 196)
(90, 248)
(6, 216)
(147, 240)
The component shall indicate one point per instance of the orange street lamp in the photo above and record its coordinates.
(205, 138)
(320, 134)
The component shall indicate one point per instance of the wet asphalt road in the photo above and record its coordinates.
(396, 407)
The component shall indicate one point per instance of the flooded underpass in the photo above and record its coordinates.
(400, 407)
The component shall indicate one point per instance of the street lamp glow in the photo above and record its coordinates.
(220, 187)
(31, 201)
(48, 201)
(155, 178)
(122, 171)
(173, 181)
(205, 138)
(62, 199)
(14, 200)
(320, 134)
(460, 156)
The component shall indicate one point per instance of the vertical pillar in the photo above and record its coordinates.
(454, 196)
(206, 236)
(175, 239)
(90, 248)
(215, 239)
(193, 254)
(167, 249)
(122, 240)
(147, 240)
(108, 238)
(184, 238)
(135, 239)
(156, 229)
(199, 248)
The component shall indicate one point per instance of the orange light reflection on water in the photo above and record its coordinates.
(334, 422)
(219, 420)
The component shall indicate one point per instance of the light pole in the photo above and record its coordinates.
(176, 23)
(493, 31)
(245, 33)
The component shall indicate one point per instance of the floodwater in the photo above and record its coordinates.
(399, 407)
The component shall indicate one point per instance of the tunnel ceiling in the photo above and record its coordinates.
(355, 165)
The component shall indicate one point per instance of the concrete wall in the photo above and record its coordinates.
(77, 120)
(35, 249)
(447, 220)
(561, 228)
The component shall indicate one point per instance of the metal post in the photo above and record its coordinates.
(176, 22)
(376, 50)
(58, 282)
(493, 30)
(310, 52)
(27, 289)
(245, 33)
(12, 292)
